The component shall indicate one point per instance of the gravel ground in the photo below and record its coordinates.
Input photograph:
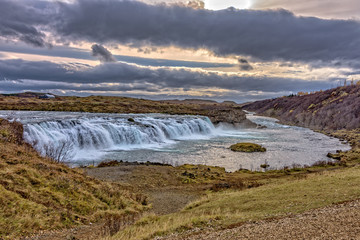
(340, 221)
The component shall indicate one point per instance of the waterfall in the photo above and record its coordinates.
(108, 133)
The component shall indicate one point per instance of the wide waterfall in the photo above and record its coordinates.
(97, 132)
(89, 138)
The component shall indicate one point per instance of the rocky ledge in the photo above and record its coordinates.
(234, 116)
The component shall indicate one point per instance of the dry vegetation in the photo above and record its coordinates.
(228, 112)
(175, 186)
(329, 110)
(105, 104)
(278, 197)
(37, 193)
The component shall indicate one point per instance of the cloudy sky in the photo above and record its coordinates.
(239, 50)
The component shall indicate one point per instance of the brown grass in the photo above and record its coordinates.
(37, 194)
(279, 197)
(105, 104)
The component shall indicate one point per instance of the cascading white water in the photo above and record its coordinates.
(104, 133)
(151, 137)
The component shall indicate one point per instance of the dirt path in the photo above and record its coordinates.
(83, 232)
(334, 222)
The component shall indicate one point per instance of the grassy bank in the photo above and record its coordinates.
(274, 199)
(352, 136)
(38, 194)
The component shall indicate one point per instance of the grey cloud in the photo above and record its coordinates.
(21, 21)
(267, 35)
(102, 53)
(160, 78)
(147, 50)
(244, 65)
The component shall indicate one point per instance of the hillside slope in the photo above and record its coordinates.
(333, 109)
(36, 193)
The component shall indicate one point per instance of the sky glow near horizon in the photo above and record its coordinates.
(178, 49)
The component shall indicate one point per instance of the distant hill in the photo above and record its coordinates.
(25, 94)
(190, 101)
(227, 111)
(333, 109)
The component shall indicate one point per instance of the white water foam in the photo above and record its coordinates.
(93, 135)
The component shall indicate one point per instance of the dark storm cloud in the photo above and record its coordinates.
(160, 78)
(266, 35)
(102, 53)
(20, 20)
(244, 65)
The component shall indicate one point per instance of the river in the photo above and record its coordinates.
(171, 139)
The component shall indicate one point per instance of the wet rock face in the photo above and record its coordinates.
(227, 115)
(237, 117)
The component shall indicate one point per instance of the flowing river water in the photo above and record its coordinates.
(171, 139)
